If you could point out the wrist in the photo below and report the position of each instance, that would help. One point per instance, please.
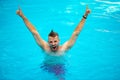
(22, 16)
(84, 16)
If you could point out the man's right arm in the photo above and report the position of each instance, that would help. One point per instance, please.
(43, 44)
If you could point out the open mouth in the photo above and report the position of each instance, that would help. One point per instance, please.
(54, 47)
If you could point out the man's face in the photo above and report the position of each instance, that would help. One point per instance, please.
(53, 43)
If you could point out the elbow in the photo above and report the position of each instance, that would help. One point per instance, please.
(76, 33)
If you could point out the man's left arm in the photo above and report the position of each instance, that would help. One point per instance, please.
(76, 32)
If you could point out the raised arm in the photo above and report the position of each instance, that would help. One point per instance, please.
(32, 29)
(76, 32)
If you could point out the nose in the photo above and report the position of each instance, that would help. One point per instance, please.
(53, 43)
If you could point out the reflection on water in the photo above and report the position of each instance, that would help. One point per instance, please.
(54, 65)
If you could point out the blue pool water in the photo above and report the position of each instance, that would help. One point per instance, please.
(95, 55)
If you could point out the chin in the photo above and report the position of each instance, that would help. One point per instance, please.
(54, 50)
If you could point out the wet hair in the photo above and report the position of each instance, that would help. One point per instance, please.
(53, 34)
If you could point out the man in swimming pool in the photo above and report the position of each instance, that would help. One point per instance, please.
(52, 46)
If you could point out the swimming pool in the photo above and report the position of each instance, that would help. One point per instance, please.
(95, 55)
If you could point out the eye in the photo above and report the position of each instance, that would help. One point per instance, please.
(50, 41)
(55, 41)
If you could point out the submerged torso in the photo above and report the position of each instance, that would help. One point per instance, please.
(54, 59)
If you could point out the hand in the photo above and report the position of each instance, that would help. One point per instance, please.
(19, 12)
(87, 10)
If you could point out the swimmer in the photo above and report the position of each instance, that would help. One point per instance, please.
(52, 45)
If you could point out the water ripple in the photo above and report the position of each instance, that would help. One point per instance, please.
(107, 2)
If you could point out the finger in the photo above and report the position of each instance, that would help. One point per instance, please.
(86, 6)
(19, 7)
